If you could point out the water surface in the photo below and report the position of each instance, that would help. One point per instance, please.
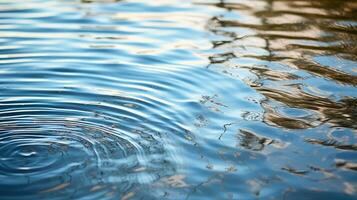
(169, 99)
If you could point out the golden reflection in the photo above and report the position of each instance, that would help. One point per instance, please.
(56, 188)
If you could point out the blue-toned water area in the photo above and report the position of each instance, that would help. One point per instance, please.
(178, 99)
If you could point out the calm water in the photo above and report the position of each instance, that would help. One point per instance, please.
(170, 99)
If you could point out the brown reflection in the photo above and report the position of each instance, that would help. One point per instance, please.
(292, 33)
(333, 143)
(252, 141)
(342, 113)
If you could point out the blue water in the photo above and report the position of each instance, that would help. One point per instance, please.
(169, 99)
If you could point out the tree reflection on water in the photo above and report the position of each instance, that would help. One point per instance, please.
(288, 38)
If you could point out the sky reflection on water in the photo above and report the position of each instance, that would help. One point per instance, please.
(204, 99)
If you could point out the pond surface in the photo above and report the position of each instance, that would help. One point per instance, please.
(170, 99)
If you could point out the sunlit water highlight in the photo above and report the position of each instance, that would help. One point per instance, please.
(169, 99)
